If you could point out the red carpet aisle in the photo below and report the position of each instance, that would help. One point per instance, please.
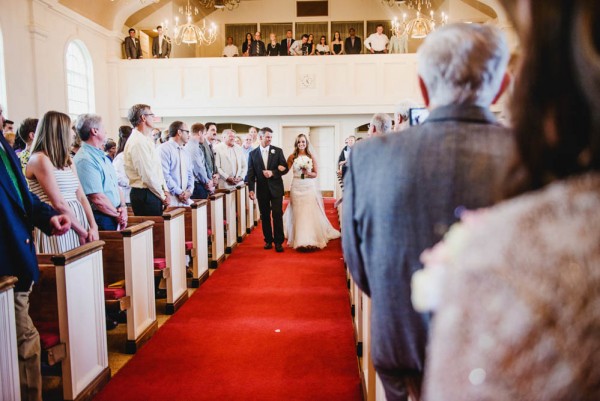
(265, 326)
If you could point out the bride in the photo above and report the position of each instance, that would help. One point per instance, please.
(304, 220)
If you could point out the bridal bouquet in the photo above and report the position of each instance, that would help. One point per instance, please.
(303, 163)
(427, 284)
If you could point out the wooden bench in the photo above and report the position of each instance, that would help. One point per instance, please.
(229, 211)
(10, 389)
(129, 258)
(196, 240)
(241, 197)
(168, 234)
(217, 234)
(67, 307)
(249, 212)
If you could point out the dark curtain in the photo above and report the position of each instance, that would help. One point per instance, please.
(238, 33)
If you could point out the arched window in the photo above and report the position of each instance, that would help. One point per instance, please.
(2, 76)
(80, 80)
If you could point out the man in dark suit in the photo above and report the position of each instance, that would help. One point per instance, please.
(403, 191)
(20, 211)
(258, 48)
(161, 45)
(286, 44)
(266, 165)
(352, 44)
(133, 50)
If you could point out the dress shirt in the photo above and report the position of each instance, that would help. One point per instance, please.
(298, 48)
(160, 41)
(196, 153)
(176, 167)
(96, 173)
(247, 151)
(322, 48)
(264, 152)
(230, 51)
(143, 165)
(377, 42)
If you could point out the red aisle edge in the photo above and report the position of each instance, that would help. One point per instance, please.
(223, 344)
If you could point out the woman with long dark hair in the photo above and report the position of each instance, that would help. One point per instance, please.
(247, 45)
(305, 223)
(119, 162)
(518, 314)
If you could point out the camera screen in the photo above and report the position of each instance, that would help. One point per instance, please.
(418, 115)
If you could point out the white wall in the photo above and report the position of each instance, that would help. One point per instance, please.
(36, 34)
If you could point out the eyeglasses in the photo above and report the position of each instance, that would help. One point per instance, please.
(184, 130)
(148, 114)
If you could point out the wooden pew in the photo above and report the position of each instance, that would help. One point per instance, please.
(129, 256)
(372, 386)
(217, 235)
(10, 389)
(169, 246)
(196, 239)
(241, 197)
(229, 212)
(70, 292)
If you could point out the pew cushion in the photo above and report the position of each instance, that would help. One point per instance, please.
(209, 231)
(49, 334)
(160, 263)
(189, 245)
(114, 293)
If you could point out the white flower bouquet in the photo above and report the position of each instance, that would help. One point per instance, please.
(303, 163)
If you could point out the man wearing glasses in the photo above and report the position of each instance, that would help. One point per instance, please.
(149, 192)
(177, 166)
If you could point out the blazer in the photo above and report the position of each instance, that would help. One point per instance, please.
(283, 50)
(225, 166)
(209, 158)
(133, 49)
(17, 220)
(266, 187)
(401, 194)
(166, 47)
(356, 49)
(342, 158)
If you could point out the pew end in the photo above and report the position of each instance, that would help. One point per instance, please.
(217, 230)
(230, 223)
(10, 389)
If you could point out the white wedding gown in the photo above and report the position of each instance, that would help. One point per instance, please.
(305, 222)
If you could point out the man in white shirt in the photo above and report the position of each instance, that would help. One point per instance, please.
(377, 42)
(230, 50)
(230, 162)
(161, 45)
(142, 165)
(177, 165)
(299, 47)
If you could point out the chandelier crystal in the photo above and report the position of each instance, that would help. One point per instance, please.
(420, 26)
(190, 34)
(220, 4)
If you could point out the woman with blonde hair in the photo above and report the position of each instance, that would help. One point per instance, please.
(305, 223)
(52, 178)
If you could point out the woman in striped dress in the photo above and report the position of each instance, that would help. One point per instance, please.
(52, 179)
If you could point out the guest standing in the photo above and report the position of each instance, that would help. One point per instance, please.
(258, 48)
(133, 50)
(273, 48)
(377, 42)
(352, 44)
(27, 133)
(337, 45)
(119, 163)
(176, 165)
(286, 43)
(247, 45)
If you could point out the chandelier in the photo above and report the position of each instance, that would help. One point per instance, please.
(188, 33)
(220, 4)
(145, 1)
(420, 26)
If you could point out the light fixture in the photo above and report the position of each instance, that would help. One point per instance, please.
(190, 34)
(220, 4)
(144, 1)
(420, 26)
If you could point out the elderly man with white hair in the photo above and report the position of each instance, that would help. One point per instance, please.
(402, 192)
(230, 162)
(402, 115)
(380, 124)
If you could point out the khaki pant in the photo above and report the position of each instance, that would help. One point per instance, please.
(28, 342)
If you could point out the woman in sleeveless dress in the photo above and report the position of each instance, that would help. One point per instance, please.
(305, 223)
(52, 179)
(337, 44)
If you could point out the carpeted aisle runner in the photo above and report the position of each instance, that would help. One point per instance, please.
(265, 326)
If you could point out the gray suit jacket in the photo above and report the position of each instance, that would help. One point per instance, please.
(401, 193)
(166, 47)
(133, 49)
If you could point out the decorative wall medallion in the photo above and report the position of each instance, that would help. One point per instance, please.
(307, 81)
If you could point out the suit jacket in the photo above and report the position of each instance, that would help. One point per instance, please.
(342, 158)
(17, 220)
(166, 47)
(401, 194)
(258, 48)
(225, 166)
(266, 187)
(209, 158)
(283, 50)
(133, 48)
(356, 49)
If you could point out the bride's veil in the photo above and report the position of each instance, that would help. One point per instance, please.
(311, 149)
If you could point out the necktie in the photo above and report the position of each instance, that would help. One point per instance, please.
(288, 45)
(11, 173)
